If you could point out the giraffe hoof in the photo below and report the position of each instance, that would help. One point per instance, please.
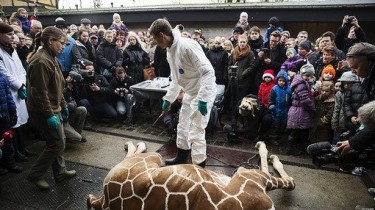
(126, 146)
(258, 144)
(141, 147)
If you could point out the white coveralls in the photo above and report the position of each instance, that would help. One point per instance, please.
(193, 72)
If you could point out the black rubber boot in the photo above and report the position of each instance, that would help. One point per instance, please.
(181, 158)
(8, 161)
(291, 148)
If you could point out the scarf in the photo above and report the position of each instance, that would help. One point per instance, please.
(239, 55)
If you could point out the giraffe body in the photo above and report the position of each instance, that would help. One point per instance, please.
(138, 182)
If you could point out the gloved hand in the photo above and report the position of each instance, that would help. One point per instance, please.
(202, 107)
(22, 94)
(53, 122)
(65, 114)
(165, 105)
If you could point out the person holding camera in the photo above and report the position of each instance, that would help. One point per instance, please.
(361, 59)
(125, 101)
(95, 93)
(73, 126)
(349, 33)
(192, 72)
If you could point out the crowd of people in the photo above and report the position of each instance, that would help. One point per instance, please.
(59, 77)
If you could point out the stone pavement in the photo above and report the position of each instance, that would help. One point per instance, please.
(315, 189)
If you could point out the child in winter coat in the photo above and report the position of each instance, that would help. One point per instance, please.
(338, 119)
(324, 104)
(301, 113)
(8, 118)
(291, 65)
(266, 86)
(328, 74)
(279, 101)
(118, 24)
(22, 16)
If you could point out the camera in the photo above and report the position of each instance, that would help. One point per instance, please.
(122, 92)
(233, 71)
(350, 20)
(323, 153)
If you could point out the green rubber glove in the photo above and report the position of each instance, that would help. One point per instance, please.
(165, 105)
(53, 122)
(202, 107)
(22, 94)
(65, 114)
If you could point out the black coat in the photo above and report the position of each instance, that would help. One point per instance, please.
(353, 99)
(101, 96)
(162, 68)
(343, 42)
(135, 60)
(108, 56)
(219, 60)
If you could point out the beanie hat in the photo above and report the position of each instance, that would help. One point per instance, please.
(5, 28)
(60, 23)
(293, 51)
(329, 69)
(273, 21)
(286, 32)
(307, 70)
(116, 15)
(269, 73)
(305, 44)
(348, 76)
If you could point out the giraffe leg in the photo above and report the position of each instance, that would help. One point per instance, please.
(278, 166)
(94, 202)
(141, 147)
(263, 152)
(129, 146)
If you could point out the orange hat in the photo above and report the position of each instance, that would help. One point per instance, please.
(329, 69)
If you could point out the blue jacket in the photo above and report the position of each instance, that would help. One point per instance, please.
(66, 57)
(6, 99)
(279, 100)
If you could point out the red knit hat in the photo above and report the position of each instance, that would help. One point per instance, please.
(269, 73)
(329, 69)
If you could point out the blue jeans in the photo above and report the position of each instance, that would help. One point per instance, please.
(105, 109)
(124, 105)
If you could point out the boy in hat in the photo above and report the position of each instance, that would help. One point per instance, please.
(279, 101)
(273, 26)
(338, 120)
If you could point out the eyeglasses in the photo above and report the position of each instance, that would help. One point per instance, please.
(62, 42)
(93, 37)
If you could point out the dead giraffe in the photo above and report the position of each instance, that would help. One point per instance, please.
(138, 182)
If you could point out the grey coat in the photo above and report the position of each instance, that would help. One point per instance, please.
(338, 119)
(81, 52)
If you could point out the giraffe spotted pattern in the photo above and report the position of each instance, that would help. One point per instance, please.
(138, 182)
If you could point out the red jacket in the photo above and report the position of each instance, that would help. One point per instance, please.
(264, 92)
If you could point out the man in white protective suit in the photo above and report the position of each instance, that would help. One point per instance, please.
(192, 72)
